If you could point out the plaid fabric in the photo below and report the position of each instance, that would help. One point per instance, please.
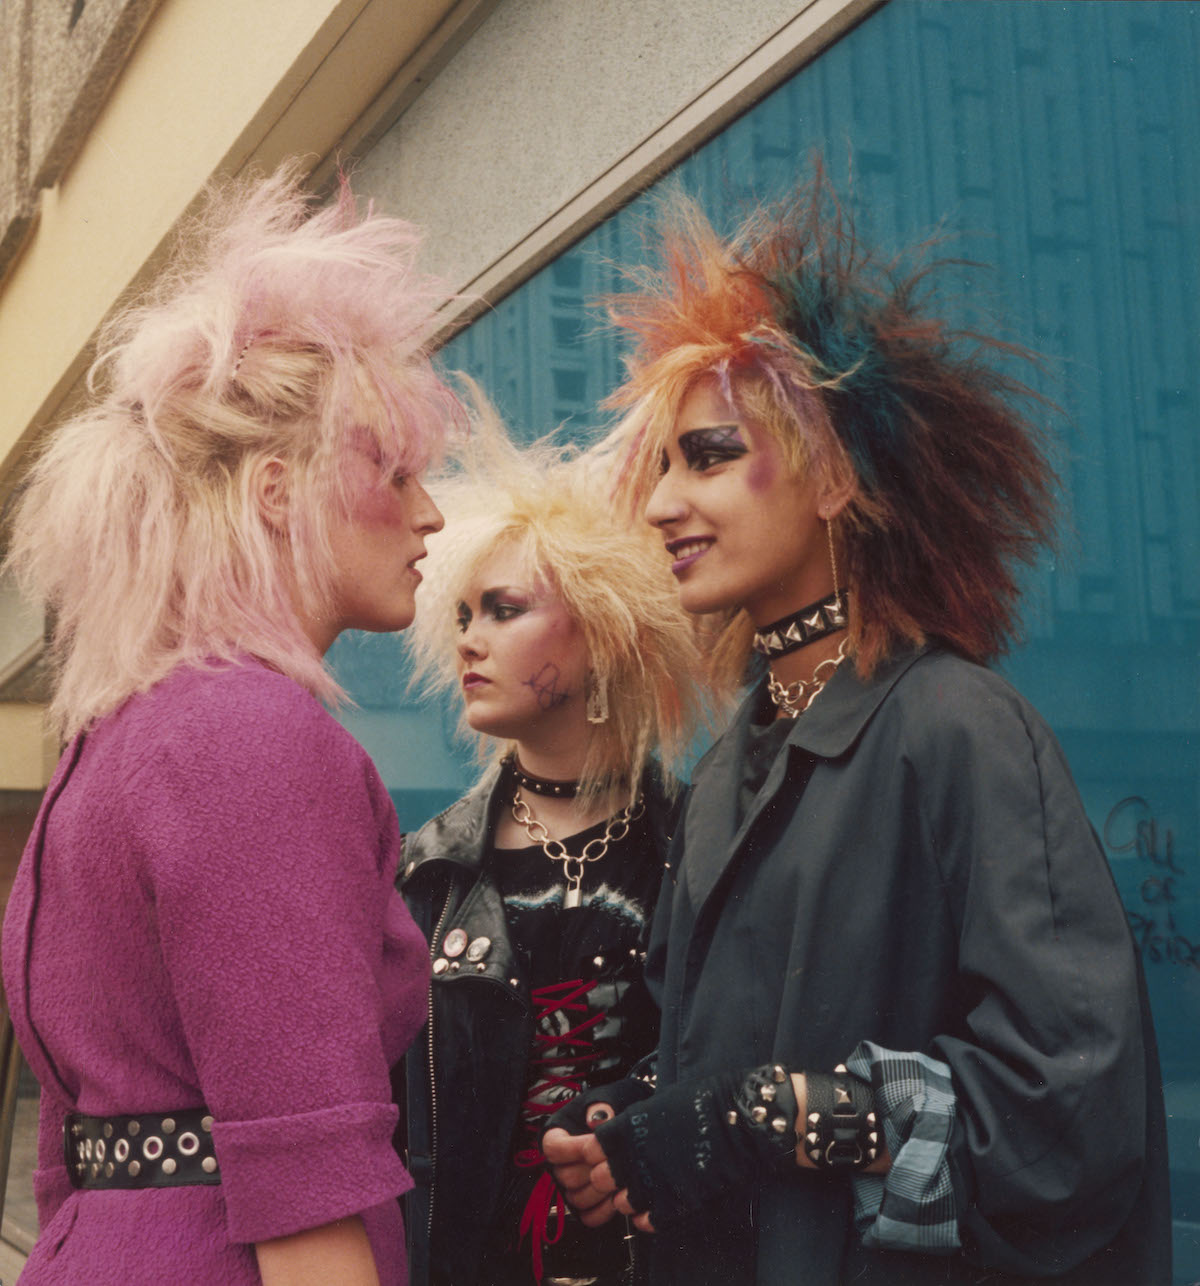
(912, 1206)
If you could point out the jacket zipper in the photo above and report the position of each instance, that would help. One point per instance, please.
(433, 1116)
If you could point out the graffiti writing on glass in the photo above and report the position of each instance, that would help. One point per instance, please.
(1131, 827)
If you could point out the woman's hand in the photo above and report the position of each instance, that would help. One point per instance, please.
(335, 1252)
(581, 1170)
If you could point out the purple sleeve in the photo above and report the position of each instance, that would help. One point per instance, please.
(268, 840)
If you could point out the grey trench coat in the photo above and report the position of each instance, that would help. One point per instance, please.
(918, 870)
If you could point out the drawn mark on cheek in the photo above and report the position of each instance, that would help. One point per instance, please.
(545, 687)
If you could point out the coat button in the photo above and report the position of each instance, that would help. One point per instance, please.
(441, 964)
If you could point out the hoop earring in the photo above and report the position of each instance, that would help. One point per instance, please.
(837, 593)
(597, 698)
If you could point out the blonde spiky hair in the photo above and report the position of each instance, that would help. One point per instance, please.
(551, 507)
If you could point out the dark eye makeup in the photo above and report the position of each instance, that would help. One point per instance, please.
(499, 604)
(702, 448)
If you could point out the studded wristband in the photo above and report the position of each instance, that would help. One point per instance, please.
(840, 1130)
(765, 1104)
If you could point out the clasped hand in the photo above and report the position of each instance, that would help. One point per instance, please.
(581, 1169)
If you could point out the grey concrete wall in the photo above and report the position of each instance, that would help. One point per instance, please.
(78, 51)
(16, 196)
(544, 98)
(58, 60)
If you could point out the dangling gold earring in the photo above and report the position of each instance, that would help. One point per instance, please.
(597, 698)
(839, 606)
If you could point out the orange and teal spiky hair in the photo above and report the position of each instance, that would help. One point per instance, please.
(835, 353)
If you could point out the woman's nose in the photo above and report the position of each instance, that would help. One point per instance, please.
(666, 504)
(470, 644)
(427, 517)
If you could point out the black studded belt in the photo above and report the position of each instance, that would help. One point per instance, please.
(162, 1150)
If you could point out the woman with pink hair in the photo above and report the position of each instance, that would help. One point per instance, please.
(207, 965)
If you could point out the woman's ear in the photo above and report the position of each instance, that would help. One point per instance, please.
(834, 496)
(268, 483)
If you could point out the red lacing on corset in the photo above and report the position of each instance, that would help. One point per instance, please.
(565, 1056)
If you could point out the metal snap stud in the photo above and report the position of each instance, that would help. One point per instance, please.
(168, 1125)
(134, 1129)
(168, 1165)
(108, 1129)
(209, 1165)
(206, 1124)
(135, 1168)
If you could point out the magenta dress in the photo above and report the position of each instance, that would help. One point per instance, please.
(205, 915)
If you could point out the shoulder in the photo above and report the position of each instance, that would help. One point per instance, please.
(966, 729)
(228, 724)
(459, 832)
(942, 693)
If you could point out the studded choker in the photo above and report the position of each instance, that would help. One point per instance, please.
(816, 621)
(541, 785)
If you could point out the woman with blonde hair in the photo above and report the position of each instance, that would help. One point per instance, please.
(939, 1065)
(207, 965)
(561, 631)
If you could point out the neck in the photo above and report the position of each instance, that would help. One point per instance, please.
(559, 759)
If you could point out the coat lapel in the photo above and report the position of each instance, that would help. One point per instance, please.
(827, 730)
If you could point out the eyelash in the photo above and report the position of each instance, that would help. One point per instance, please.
(501, 612)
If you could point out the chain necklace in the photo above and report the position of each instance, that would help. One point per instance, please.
(794, 698)
(616, 829)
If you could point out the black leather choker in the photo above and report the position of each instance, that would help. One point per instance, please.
(816, 621)
(541, 785)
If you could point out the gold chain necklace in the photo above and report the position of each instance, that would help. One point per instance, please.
(593, 850)
(794, 698)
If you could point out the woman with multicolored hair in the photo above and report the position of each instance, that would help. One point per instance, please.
(561, 630)
(904, 1033)
(208, 967)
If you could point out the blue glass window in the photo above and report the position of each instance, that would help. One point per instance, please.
(1056, 143)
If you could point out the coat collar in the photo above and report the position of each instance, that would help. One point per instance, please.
(827, 730)
(461, 833)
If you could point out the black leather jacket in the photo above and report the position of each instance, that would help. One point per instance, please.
(457, 1129)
